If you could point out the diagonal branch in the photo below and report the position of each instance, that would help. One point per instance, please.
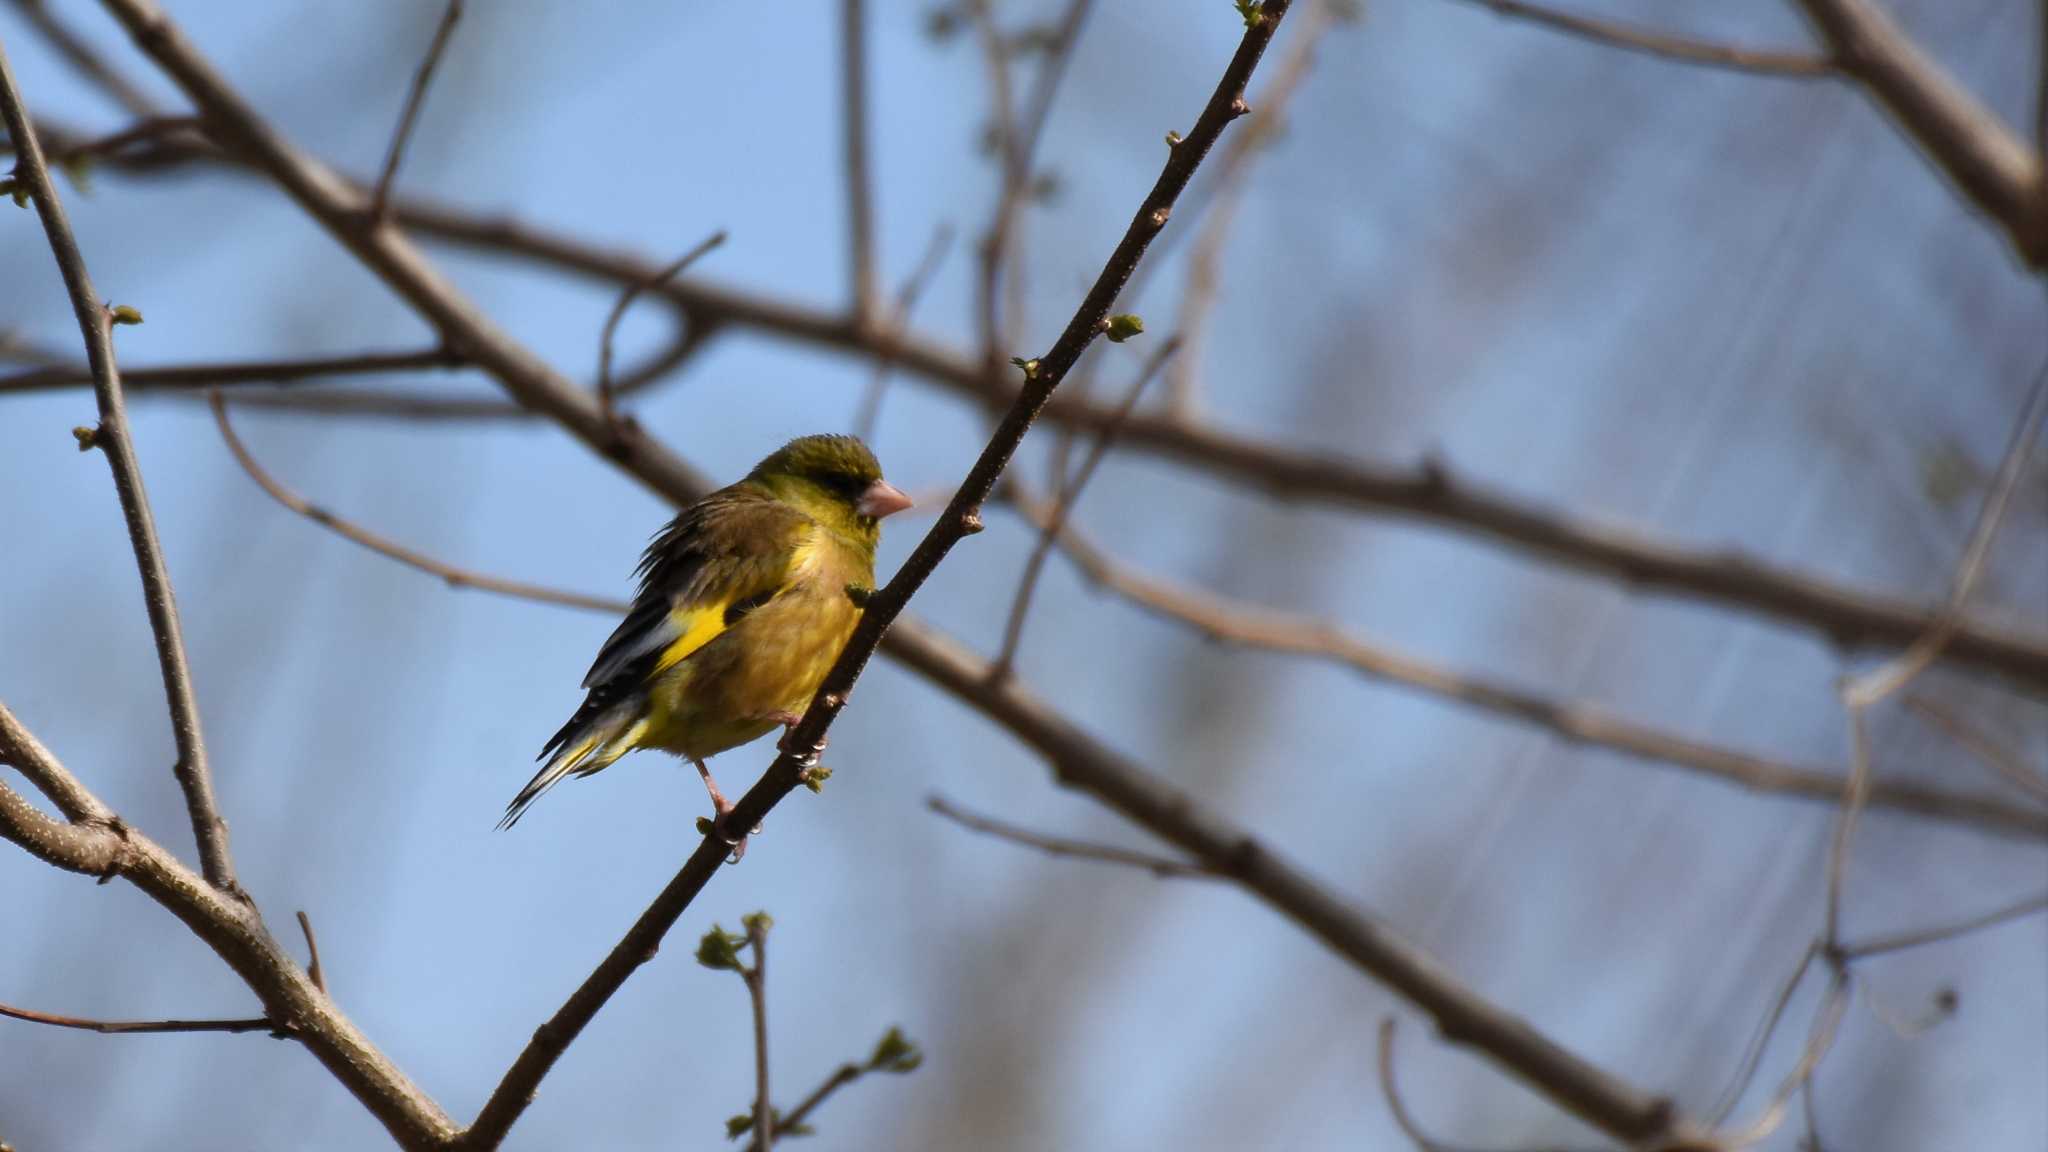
(1063, 847)
(81, 56)
(454, 576)
(95, 323)
(402, 135)
(1990, 166)
(102, 846)
(1682, 49)
(1233, 621)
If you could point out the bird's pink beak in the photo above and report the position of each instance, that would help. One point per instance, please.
(881, 499)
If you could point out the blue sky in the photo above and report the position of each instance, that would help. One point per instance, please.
(1725, 310)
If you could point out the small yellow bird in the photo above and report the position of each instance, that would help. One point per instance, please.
(745, 601)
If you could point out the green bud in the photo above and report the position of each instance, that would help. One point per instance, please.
(1029, 367)
(125, 314)
(720, 949)
(1251, 11)
(738, 1126)
(88, 437)
(1173, 139)
(1122, 327)
(758, 923)
(895, 1052)
(815, 778)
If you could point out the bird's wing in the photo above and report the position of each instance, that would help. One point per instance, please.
(722, 558)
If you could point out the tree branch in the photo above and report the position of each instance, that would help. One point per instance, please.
(1069, 495)
(455, 577)
(133, 1027)
(1237, 622)
(870, 411)
(1981, 746)
(853, 113)
(103, 846)
(84, 59)
(190, 377)
(111, 437)
(1427, 492)
(1880, 945)
(1989, 165)
(1061, 847)
(667, 272)
(401, 135)
(1684, 50)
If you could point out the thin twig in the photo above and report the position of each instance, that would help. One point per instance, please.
(870, 412)
(95, 323)
(1682, 49)
(1233, 621)
(401, 135)
(1070, 494)
(82, 57)
(1983, 747)
(313, 970)
(1233, 169)
(134, 1027)
(188, 377)
(454, 576)
(605, 392)
(148, 130)
(853, 112)
(1820, 1038)
(756, 977)
(793, 1120)
(1879, 945)
(1164, 867)
(1760, 1040)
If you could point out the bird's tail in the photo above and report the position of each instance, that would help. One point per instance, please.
(599, 733)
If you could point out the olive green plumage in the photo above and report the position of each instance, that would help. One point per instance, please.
(745, 601)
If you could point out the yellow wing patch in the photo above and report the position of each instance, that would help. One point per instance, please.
(696, 626)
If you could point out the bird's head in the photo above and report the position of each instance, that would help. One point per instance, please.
(835, 480)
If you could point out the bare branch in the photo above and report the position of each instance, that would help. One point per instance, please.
(313, 970)
(853, 112)
(84, 59)
(756, 977)
(1989, 165)
(1820, 1038)
(1760, 1040)
(1164, 867)
(1069, 495)
(870, 413)
(191, 377)
(149, 130)
(20, 750)
(132, 1027)
(1679, 48)
(1878, 946)
(1428, 491)
(111, 437)
(663, 275)
(1233, 621)
(841, 1076)
(2011, 767)
(454, 576)
(1233, 169)
(1398, 1107)
(103, 846)
(400, 136)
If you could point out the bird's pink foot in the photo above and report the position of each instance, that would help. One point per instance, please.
(721, 808)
